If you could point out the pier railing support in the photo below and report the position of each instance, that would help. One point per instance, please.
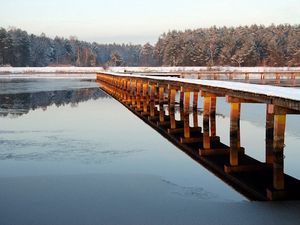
(181, 98)
(212, 116)
(235, 133)
(172, 97)
(206, 138)
(161, 90)
(279, 131)
(209, 118)
(269, 133)
(145, 96)
(186, 115)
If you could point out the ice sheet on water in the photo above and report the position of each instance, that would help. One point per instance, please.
(15, 86)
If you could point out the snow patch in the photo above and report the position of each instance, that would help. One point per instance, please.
(274, 91)
(70, 70)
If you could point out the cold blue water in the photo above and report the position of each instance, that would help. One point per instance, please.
(71, 154)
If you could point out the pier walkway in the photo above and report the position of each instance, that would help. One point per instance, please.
(156, 100)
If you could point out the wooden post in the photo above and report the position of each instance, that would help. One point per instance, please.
(152, 99)
(195, 109)
(128, 86)
(139, 87)
(181, 98)
(124, 84)
(195, 118)
(279, 130)
(120, 87)
(133, 93)
(186, 114)
(277, 78)
(172, 118)
(293, 79)
(262, 78)
(145, 89)
(172, 97)
(269, 133)
(247, 77)
(206, 138)
(123, 90)
(195, 100)
(234, 133)
(161, 91)
(212, 115)
(161, 113)
(126, 90)
(152, 92)
(138, 93)
(145, 96)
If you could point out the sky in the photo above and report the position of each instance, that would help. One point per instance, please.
(139, 21)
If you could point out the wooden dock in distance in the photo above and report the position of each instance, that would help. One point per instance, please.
(288, 78)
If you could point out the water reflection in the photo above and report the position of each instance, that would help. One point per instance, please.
(82, 165)
(21, 103)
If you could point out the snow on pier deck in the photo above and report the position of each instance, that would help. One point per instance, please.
(280, 96)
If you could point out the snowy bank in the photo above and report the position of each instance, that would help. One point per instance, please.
(49, 70)
(92, 70)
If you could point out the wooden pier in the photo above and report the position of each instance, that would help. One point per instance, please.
(279, 78)
(148, 97)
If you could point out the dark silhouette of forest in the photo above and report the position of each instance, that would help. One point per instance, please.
(216, 46)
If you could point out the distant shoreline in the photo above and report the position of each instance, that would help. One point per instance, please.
(94, 70)
(49, 70)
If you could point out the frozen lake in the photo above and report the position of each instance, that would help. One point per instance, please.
(71, 154)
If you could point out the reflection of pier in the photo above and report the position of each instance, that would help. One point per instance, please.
(22, 103)
(147, 98)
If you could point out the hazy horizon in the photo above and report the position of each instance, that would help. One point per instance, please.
(138, 22)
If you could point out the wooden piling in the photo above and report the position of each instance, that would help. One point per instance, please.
(279, 131)
(235, 133)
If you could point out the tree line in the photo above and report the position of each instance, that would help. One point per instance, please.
(216, 46)
(241, 46)
(18, 48)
